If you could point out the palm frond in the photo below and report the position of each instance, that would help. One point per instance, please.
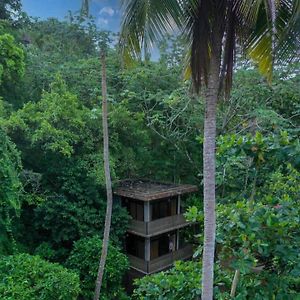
(288, 31)
(197, 28)
(205, 23)
(259, 45)
(275, 33)
(263, 28)
(229, 49)
(145, 22)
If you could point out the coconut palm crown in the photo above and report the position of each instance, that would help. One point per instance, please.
(264, 29)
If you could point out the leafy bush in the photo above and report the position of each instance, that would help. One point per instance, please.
(245, 162)
(84, 259)
(11, 60)
(262, 241)
(10, 189)
(261, 238)
(181, 282)
(26, 277)
(69, 201)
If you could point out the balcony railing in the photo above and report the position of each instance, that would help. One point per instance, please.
(157, 226)
(162, 262)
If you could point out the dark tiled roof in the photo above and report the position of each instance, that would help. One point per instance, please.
(147, 190)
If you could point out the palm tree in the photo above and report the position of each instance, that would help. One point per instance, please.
(104, 40)
(213, 29)
(85, 8)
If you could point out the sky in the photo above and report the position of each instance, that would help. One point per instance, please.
(106, 12)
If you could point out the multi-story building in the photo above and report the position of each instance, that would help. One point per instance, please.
(154, 240)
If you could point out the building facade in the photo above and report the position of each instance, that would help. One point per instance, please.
(154, 240)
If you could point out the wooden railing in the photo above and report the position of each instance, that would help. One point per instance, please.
(138, 227)
(157, 226)
(138, 263)
(162, 262)
(167, 260)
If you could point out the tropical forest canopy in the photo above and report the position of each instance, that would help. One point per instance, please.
(52, 185)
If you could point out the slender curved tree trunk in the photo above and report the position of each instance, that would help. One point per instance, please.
(107, 181)
(209, 146)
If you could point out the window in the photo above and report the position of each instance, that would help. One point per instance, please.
(135, 245)
(135, 208)
(163, 244)
(163, 208)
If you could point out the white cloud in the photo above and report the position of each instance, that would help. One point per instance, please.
(102, 21)
(107, 11)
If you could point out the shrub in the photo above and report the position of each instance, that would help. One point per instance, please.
(84, 259)
(181, 282)
(27, 277)
(10, 190)
(260, 238)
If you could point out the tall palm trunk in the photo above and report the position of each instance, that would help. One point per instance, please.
(107, 181)
(209, 167)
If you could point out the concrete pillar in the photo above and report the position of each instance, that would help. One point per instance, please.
(177, 239)
(147, 249)
(178, 204)
(147, 217)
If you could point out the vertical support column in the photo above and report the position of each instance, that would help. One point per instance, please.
(146, 215)
(147, 211)
(178, 204)
(147, 249)
(177, 239)
(147, 239)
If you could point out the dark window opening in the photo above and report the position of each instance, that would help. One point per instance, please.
(135, 245)
(163, 244)
(135, 208)
(163, 208)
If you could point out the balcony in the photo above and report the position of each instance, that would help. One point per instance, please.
(162, 262)
(148, 229)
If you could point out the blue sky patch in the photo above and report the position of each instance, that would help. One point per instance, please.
(106, 12)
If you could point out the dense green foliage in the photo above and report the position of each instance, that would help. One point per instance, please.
(244, 161)
(12, 59)
(84, 259)
(260, 238)
(181, 282)
(29, 277)
(52, 193)
(10, 190)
